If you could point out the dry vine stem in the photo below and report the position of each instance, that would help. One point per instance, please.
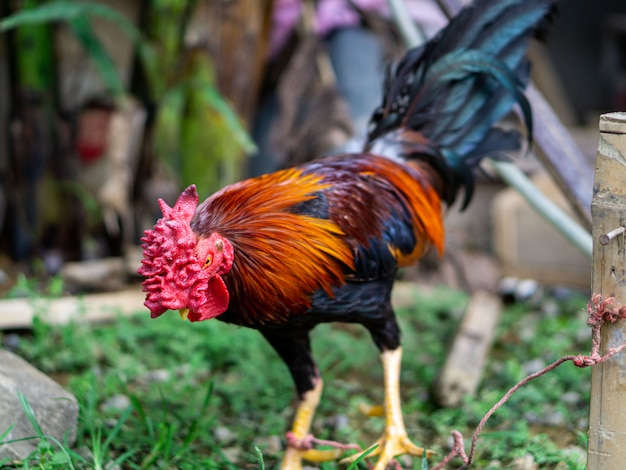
(600, 310)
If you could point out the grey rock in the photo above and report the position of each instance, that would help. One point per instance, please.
(115, 403)
(545, 417)
(157, 375)
(550, 308)
(507, 285)
(270, 444)
(494, 465)
(223, 435)
(406, 461)
(232, 454)
(527, 289)
(11, 341)
(532, 366)
(576, 453)
(571, 398)
(554, 418)
(342, 422)
(526, 462)
(54, 407)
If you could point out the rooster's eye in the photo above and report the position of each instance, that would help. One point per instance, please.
(208, 261)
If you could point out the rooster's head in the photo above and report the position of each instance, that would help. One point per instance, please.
(182, 269)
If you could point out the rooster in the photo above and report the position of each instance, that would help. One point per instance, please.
(323, 241)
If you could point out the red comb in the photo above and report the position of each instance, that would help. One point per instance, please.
(174, 275)
(184, 208)
(169, 264)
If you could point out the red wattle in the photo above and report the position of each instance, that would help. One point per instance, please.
(212, 302)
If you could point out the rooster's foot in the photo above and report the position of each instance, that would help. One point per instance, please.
(387, 448)
(394, 441)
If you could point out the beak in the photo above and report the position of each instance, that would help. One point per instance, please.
(184, 313)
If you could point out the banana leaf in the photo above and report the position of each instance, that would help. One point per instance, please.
(83, 31)
(197, 135)
(66, 11)
(77, 14)
(34, 61)
(215, 100)
(167, 128)
(165, 32)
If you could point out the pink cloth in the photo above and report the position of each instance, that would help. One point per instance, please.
(333, 14)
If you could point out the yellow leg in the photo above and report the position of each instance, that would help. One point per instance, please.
(300, 432)
(394, 440)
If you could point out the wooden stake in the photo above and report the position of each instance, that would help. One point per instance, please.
(607, 416)
(466, 361)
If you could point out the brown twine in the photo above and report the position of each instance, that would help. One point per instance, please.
(600, 310)
(307, 443)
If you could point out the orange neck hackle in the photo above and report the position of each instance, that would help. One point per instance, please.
(281, 257)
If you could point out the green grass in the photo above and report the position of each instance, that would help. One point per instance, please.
(214, 396)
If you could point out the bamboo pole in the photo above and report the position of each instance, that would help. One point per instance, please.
(607, 414)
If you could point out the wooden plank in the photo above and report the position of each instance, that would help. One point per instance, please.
(607, 415)
(19, 313)
(465, 364)
(557, 150)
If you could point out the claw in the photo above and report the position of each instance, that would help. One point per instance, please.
(388, 448)
(371, 411)
(293, 457)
